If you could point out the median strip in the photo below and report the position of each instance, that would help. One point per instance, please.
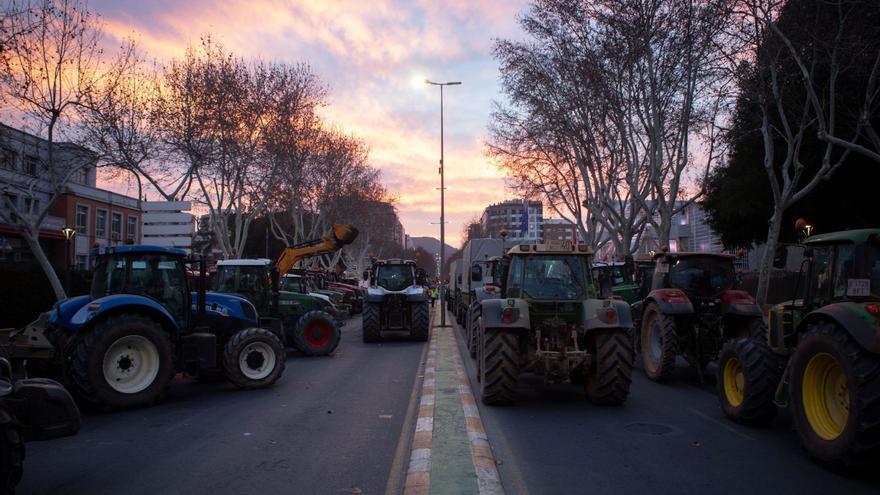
(450, 452)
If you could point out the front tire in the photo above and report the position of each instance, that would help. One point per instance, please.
(747, 377)
(499, 367)
(11, 453)
(316, 334)
(370, 323)
(124, 361)
(254, 358)
(835, 396)
(608, 379)
(658, 343)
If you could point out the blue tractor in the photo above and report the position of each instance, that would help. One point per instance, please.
(142, 323)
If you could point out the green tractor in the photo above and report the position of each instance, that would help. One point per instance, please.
(821, 355)
(307, 323)
(617, 278)
(546, 318)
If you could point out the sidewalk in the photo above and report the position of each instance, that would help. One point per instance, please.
(450, 452)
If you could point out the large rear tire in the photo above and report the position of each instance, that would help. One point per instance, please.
(754, 328)
(835, 399)
(658, 343)
(608, 379)
(124, 361)
(316, 334)
(473, 325)
(421, 321)
(370, 323)
(11, 453)
(499, 367)
(747, 378)
(254, 358)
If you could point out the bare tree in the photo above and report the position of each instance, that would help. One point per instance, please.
(53, 64)
(787, 112)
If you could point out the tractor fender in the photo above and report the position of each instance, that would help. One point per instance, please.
(605, 313)
(850, 319)
(671, 301)
(416, 294)
(739, 303)
(62, 311)
(493, 309)
(99, 309)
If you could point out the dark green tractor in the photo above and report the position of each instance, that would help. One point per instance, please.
(306, 322)
(617, 278)
(821, 356)
(547, 318)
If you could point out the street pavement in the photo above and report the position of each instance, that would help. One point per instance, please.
(667, 439)
(329, 425)
(347, 424)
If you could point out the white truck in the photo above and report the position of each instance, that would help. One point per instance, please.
(472, 272)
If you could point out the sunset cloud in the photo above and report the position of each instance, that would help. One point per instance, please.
(368, 54)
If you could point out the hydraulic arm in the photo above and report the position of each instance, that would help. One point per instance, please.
(340, 235)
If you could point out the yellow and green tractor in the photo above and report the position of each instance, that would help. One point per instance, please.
(821, 357)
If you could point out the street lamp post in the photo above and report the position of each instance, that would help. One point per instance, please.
(69, 233)
(443, 275)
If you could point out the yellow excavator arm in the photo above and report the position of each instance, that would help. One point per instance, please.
(340, 235)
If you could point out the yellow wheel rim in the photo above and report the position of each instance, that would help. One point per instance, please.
(734, 382)
(825, 396)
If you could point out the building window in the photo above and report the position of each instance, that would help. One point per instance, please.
(82, 219)
(31, 206)
(116, 227)
(81, 176)
(30, 165)
(7, 159)
(132, 228)
(101, 223)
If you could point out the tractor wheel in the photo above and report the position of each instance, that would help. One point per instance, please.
(499, 368)
(658, 343)
(747, 378)
(124, 361)
(754, 328)
(11, 453)
(254, 358)
(370, 323)
(607, 380)
(835, 395)
(421, 321)
(473, 328)
(316, 334)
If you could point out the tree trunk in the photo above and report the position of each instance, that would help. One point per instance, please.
(34, 243)
(766, 267)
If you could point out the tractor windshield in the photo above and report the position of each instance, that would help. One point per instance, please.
(554, 277)
(702, 276)
(157, 276)
(395, 277)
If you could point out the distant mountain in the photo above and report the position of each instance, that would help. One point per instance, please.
(432, 245)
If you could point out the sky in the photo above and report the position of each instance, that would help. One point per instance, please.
(371, 54)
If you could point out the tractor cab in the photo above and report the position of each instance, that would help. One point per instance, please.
(702, 276)
(840, 274)
(252, 279)
(159, 274)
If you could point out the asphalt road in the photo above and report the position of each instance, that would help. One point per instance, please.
(667, 439)
(330, 425)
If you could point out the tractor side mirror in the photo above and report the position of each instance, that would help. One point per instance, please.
(366, 275)
(476, 273)
(780, 257)
(421, 277)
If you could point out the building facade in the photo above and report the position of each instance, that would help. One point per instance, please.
(558, 229)
(98, 217)
(524, 220)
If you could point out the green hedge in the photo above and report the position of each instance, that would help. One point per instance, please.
(25, 292)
